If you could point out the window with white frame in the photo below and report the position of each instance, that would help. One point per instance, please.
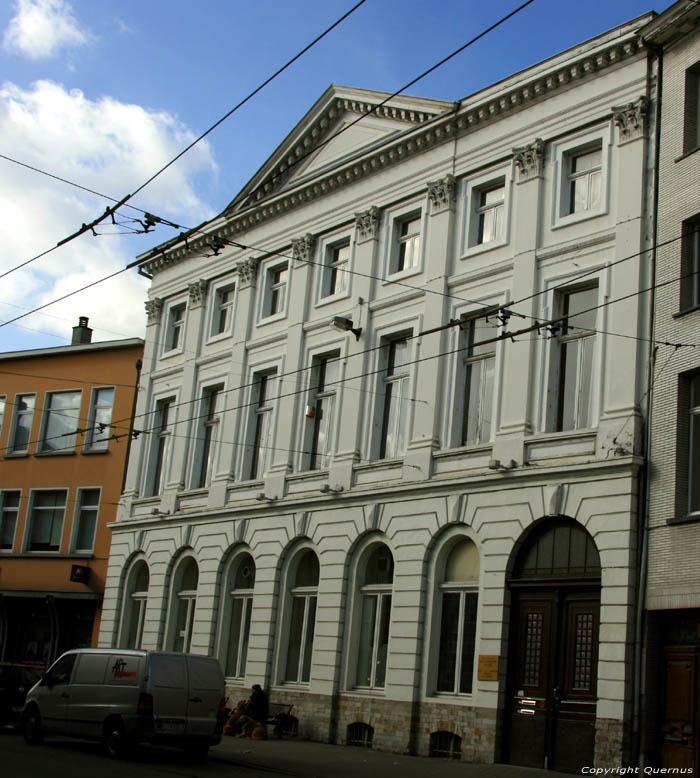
(489, 209)
(394, 398)
(183, 605)
(61, 420)
(240, 582)
(458, 584)
(175, 328)
(405, 254)
(46, 514)
(572, 360)
(222, 310)
(274, 301)
(9, 512)
(22, 423)
(134, 605)
(375, 590)
(584, 171)
(335, 270)
(85, 521)
(207, 436)
(260, 425)
(321, 410)
(160, 443)
(475, 403)
(100, 418)
(581, 174)
(304, 594)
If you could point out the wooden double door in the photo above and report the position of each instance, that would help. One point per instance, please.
(551, 694)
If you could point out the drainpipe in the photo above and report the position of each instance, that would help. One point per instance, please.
(139, 365)
(644, 490)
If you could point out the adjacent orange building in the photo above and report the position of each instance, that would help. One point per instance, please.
(65, 422)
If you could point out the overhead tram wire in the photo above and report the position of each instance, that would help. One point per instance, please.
(124, 201)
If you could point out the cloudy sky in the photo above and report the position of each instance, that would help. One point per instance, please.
(103, 94)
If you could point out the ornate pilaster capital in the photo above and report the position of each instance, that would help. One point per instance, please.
(303, 249)
(247, 270)
(631, 120)
(198, 292)
(367, 224)
(154, 309)
(529, 160)
(442, 194)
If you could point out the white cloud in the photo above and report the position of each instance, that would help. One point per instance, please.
(40, 28)
(107, 146)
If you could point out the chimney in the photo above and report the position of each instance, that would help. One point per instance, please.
(82, 333)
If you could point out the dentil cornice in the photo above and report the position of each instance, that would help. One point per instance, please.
(434, 132)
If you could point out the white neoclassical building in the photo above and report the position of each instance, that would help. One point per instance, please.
(388, 450)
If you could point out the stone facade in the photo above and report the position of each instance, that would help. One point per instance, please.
(255, 521)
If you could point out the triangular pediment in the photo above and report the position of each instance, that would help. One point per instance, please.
(330, 134)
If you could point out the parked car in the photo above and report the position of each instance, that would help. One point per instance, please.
(124, 697)
(15, 681)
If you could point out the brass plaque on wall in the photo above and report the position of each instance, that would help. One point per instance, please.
(488, 667)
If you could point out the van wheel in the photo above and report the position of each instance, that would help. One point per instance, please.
(114, 740)
(33, 730)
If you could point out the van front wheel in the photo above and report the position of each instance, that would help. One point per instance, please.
(33, 731)
(114, 739)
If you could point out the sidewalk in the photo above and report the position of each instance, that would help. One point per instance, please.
(304, 759)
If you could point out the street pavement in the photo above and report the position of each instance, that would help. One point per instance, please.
(318, 760)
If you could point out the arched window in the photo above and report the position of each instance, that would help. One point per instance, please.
(184, 601)
(134, 608)
(239, 582)
(304, 592)
(376, 579)
(458, 598)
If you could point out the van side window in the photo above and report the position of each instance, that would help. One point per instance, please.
(60, 672)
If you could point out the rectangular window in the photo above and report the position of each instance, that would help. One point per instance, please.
(395, 395)
(9, 511)
(207, 438)
(690, 263)
(373, 648)
(490, 210)
(3, 400)
(222, 313)
(693, 422)
(100, 418)
(175, 328)
(61, 420)
(335, 273)
(275, 294)
(457, 640)
(160, 437)
(85, 521)
(584, 174)
(22, 423)
(48, 509)
(407, 243)
(691, 124)
(320, 412)
(263, 397)
(479, 367)
(572, 362)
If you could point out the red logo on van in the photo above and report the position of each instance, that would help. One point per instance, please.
(119, 672)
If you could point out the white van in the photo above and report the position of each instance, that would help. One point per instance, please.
(123, 697)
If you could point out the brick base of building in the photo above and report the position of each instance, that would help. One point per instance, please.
(612, 746)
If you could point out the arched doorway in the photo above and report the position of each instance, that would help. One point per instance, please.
(553, 648)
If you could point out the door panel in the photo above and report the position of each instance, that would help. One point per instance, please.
(552, 679)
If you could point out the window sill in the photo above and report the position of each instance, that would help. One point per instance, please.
(332, 298)
(576, 218)
(686, 154)
(54, 453)
(685, 312)
(401, 274)
(482, 248)
(688, 518)
(94, 451)
(173, 353)
(212, 339)
(263, 320)
(16, 454)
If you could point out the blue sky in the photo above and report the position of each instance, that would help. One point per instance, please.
(104, 93)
